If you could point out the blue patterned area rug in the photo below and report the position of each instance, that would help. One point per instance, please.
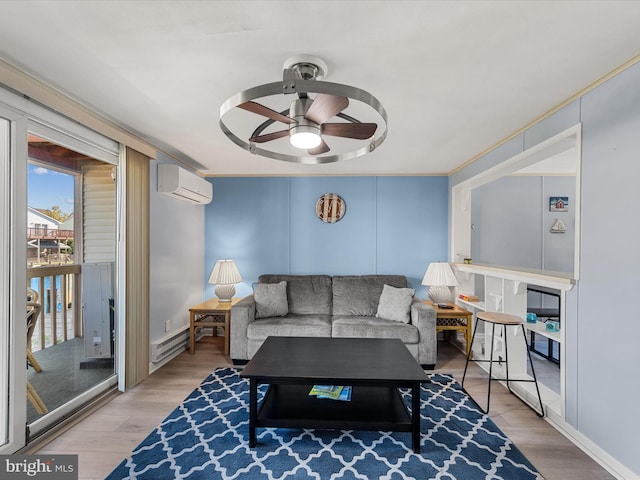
(207, 438)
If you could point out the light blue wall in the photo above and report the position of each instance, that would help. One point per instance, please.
(511, 223)
(608, 382)
(269, 225)
(558, 248)
(506, 215)
(602, 355)
(343, 248)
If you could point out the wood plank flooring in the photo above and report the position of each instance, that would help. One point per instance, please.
(109, 434)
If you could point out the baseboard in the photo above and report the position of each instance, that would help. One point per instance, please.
(606, 461)
(155, 366)
(595, 452)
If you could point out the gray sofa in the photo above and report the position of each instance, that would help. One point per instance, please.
(339, 306)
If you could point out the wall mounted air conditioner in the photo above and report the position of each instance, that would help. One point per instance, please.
(183, 185)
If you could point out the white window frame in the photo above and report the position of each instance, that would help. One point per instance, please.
(13, 146)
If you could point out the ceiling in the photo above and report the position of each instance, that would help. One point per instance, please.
(455, 77)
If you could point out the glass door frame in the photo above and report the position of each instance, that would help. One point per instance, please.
(13, 302)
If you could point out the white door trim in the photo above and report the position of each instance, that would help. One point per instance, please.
(13, 198)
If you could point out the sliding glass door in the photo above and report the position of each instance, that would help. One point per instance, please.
(71, 254)
(58, 269)
(71, 275)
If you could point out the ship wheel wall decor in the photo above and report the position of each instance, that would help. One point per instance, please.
(330, 208)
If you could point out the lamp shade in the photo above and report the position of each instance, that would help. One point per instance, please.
(439, 277)
(225, 275)
(225, 272)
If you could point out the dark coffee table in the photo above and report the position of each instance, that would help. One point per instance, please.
(375, 368)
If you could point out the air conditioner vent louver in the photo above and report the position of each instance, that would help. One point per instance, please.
(183, 185)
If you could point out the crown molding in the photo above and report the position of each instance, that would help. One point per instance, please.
(35, 90)
(588, 88)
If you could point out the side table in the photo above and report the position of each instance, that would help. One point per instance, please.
(204, 315)
(454, 319)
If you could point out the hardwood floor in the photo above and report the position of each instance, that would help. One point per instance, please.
(108, 435)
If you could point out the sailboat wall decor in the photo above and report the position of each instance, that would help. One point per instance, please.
(558, 227)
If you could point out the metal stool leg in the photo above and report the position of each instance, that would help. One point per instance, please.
(533, 371)
(493, 337)
(506, 356)
(469, 353)
(473, 336)
(490, 367)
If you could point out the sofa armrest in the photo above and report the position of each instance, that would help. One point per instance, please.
(424, 318)
(242, 314)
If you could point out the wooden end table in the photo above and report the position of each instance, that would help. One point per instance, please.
(203, 315)
(454, 319)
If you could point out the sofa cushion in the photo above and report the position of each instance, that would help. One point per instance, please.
(359, 295)
(372, 327)
(290, 326)
(395, 303)
(271, 299)
(306, 294)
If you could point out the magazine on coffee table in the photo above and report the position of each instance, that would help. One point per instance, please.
(333, 392)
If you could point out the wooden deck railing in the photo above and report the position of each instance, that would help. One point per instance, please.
(49, 234)
(65, 313)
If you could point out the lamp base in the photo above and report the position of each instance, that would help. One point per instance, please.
(439, 294)
(225, 292)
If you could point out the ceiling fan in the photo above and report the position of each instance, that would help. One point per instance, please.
(307, 122)
(309, 118)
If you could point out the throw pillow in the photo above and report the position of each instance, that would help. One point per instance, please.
(395, 303)
(271, 299)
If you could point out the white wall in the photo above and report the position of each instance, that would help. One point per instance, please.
(177, 258)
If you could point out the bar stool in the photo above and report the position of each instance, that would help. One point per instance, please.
(504, 319)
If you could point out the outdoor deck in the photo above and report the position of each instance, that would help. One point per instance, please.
(57, 342)
(66, 373)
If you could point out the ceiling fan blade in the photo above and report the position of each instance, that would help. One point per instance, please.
(265, 112)
(267, 137)
(320, 149)
(359, 131)
(326, 106)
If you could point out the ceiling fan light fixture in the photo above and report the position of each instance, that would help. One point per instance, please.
(309, 117)
(305, 137)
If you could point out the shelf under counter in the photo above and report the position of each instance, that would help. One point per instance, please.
(474, 305)
(539, 328)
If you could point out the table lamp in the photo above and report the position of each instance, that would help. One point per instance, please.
(439, 277)
(225, 275)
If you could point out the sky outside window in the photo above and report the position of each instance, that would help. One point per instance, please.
(47, 188)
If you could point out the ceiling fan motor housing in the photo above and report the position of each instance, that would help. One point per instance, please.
(304, 130)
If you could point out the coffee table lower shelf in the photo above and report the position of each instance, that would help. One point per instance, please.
(370, 408)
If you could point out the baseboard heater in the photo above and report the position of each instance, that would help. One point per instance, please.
(171, 343)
